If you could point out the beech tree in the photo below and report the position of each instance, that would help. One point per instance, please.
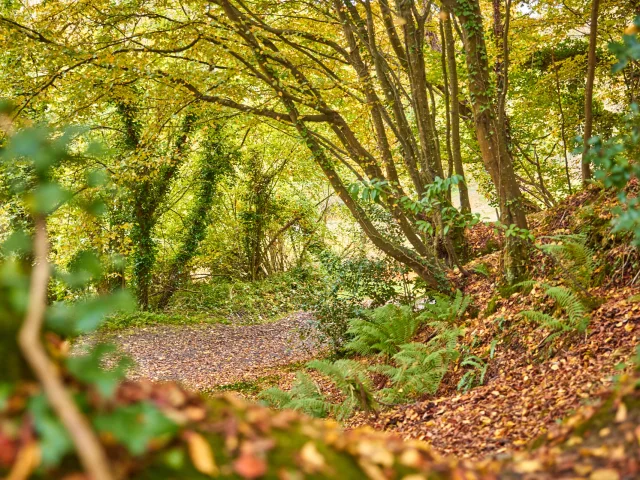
(491, 130)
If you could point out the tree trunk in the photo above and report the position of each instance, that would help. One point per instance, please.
(588, 91)
(491, 134)
(214, 164)
(465, 204)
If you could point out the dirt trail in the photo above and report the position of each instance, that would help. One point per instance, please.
(203, 357)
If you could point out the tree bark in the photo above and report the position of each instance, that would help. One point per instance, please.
(465, 204)
(491, 133)
(588, 91)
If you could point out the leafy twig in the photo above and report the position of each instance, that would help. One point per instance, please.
(87, 445)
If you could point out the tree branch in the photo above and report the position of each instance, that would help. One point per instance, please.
(90, 451)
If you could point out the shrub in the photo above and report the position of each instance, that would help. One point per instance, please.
(419, 368)
(383, 330)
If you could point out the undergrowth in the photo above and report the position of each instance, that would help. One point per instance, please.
(413, 369)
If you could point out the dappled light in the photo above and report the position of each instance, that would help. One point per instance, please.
(333, 239)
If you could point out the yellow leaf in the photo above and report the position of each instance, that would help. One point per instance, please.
(621, 414)
(528, 466)
(27, 461)
(201, 454)
(604, 474)
(631, 29)
(312, 458)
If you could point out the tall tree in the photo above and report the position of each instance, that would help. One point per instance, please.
(588, 91)
(491, 132)
(452, 71)
(147, 190)
(216, 162)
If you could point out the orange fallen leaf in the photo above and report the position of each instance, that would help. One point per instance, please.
(250, 466)
(26, 462)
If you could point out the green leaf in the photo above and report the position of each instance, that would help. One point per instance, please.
(5, 392)
(88, 368)
(18, 242)
(83, 268)
(85, 316)
(48, 197)
(136, 425)
(54, 439)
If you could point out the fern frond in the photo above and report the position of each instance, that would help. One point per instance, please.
(525, 285)
(275, 397)
(314, 407)
(572, 252)
(569, 302)
(445, 309)
(544, 320)
(382, 330)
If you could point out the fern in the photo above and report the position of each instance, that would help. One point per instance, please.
(445, 309)
(383, 330)
(419, 368)
(304, 396)
(569, 302)
(475, 376)
(351, 379)
(482, 269)
(577, 313)
(574, 256)
(275, 397)
(526, 285)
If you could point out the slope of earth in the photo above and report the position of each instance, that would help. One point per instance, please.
(523, 397)
(203, 357)
(531, 384)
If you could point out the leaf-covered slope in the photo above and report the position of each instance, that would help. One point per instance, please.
(226, 437)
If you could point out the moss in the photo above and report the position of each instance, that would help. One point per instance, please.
(244, 387)
(145, 319)
(492, 306)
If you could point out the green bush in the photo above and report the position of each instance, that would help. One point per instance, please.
(350, 283)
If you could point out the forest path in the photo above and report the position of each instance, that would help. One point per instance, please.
(205, 357)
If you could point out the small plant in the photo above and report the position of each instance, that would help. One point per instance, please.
(383, 330)
(419, 368)
(474, 377)
(304, 396)
(443, 308)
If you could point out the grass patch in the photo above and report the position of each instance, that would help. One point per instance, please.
(224, 302)
(248, 388)
(147, 319)
(261, 301)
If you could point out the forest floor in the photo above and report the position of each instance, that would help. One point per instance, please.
(210, 357)
(527, 391)
(530, 385)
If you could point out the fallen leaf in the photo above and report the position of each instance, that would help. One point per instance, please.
(26, 462)
(250, 466)
(604, 474)
(312, 459)
(201, 454)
